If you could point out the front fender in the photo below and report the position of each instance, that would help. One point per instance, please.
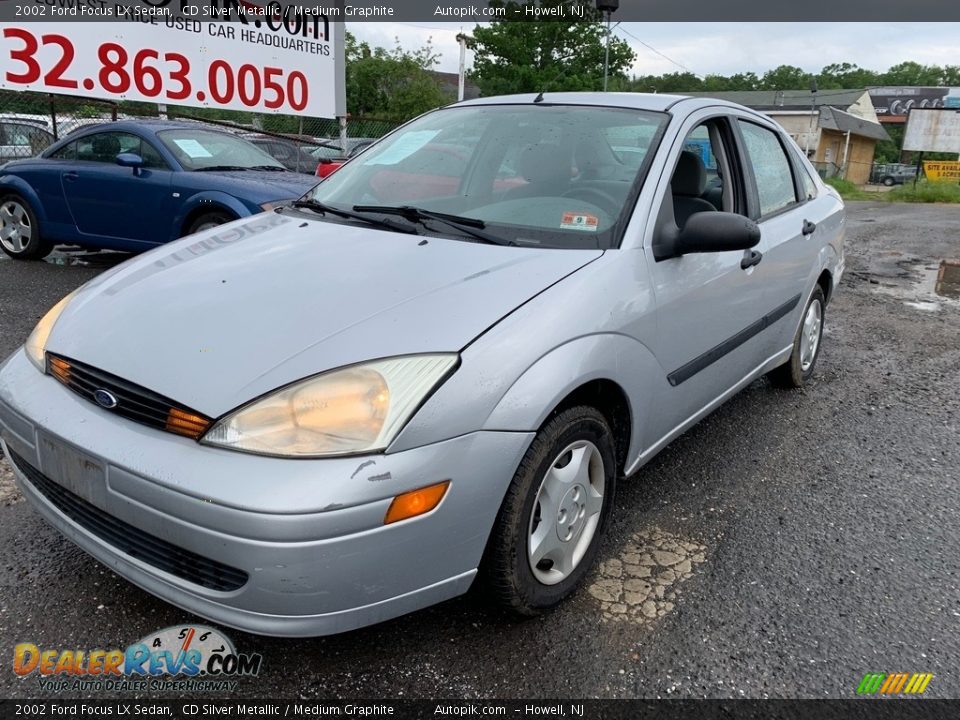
(20, 186)
(617, 358)
(215, 200)
(492, 391)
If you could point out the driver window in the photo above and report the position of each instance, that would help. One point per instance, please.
(698, 182)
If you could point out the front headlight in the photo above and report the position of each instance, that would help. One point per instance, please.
(357, 409)
(36, 344)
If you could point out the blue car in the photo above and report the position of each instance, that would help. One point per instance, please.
(134, 185)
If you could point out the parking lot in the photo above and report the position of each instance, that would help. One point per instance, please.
(788, 544)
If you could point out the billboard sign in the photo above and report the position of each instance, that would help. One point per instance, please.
(933, 131)
(893, 104)
(268, 65)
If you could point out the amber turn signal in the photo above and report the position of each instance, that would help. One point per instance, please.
(60, 369)
(185, 423)
(416, 502)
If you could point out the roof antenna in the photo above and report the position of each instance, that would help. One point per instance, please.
(539, 98)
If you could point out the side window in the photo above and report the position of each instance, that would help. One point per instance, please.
(67, 152)
(771, 168)
(104, 147)
(152, 158)
(27, 139)
(698, 181)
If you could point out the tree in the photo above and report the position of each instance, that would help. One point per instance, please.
(785, 77)
(391, 84)
(531, 54)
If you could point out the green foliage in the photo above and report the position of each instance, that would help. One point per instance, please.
(849, 191)
(391, 84)
(926, 192)
(836, 76)
(533, 55)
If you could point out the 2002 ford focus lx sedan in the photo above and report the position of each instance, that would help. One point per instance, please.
(435, 364)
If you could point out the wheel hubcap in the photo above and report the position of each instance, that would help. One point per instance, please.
(810, 335)
(15, 228)
(566, 512)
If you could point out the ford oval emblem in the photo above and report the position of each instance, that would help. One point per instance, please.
(105, 399)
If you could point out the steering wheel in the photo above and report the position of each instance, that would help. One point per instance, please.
(608, 203)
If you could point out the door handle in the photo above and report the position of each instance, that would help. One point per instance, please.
(751, 259)
(809, 227)
(70, 176)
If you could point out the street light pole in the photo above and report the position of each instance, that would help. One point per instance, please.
(461, 84)
(607, 7)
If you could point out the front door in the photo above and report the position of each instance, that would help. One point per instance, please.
(707, 303)
(110, 201)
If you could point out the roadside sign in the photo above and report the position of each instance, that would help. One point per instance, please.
(272, 64)
(933, 131)
(942, 170)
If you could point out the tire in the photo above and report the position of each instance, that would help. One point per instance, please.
(20, 231)
(889, 181)
(806, 346)
(208, 220)
(579, 510)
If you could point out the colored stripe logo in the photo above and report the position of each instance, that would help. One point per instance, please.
(894, 683)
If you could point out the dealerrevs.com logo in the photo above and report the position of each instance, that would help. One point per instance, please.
(179, 658)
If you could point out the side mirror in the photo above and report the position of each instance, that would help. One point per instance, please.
(709, 232)
(130, 160)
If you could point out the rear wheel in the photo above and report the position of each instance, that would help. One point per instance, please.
(889, 181)
(806, 346)
(20, 231)
(207, 221)
(548, 531)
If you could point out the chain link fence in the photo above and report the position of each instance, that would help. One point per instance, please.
(30, 122)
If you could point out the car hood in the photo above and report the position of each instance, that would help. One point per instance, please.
(219, 318)
(284, 184)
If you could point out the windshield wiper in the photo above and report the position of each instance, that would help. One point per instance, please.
(469, 225)
(268, 168)
(322, 208)
(220, 168)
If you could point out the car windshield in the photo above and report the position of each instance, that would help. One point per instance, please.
(198, 149)
(535, 175)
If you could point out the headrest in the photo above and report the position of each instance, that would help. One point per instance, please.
(544, 163)
(106, 145)
(690, 177)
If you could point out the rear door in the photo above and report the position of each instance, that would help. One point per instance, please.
(788, 218)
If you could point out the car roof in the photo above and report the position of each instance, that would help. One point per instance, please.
(656, 102)
(148, 125)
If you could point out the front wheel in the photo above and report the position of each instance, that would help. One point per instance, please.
(806, 346)
(20, 231)
(548, 531)
(207, 221)
(889, 181)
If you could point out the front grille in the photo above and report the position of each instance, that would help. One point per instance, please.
(132, 401)
(133, 542)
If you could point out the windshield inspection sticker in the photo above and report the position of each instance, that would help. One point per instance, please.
(579, 221)
(192, 148)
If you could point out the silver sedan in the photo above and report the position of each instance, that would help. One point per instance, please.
(434, 366)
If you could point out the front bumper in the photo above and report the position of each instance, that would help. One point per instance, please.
(308, 534)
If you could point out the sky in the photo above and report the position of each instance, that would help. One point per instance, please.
(726, 48)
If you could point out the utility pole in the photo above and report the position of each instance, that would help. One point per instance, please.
(813, 114)
(463, 40)
(608, 7)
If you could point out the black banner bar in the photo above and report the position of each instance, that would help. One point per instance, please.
(466, 12)
(858, 709)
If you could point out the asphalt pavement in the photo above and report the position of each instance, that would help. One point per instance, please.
(790, 543)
